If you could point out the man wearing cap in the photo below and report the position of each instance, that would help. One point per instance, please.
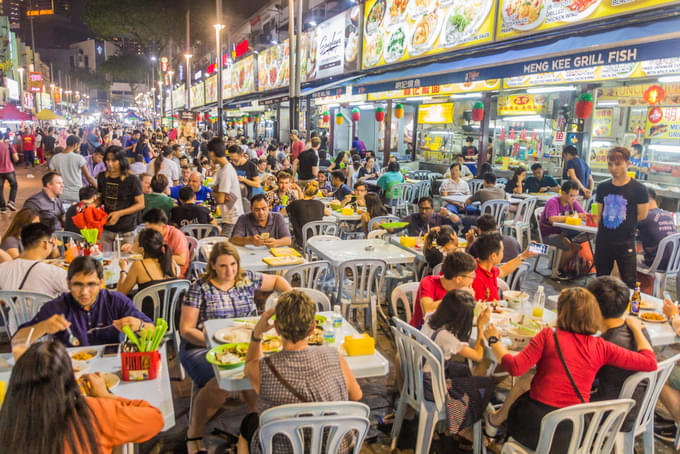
(296, 145)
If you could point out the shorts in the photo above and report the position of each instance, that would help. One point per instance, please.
(555, 239)
(194, 363)
(674, 378)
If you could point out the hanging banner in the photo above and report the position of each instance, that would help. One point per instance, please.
(523, 17)
(602, 122)
(57, 97)
(438, 90)
(435, 113)
(330, 51)
(243, 77)
(13, 92)
(28, 100)
(400, 30)
(197, 95)
(211, 89)
(521, 104)
(35, 82)
(178, 97)
(663, 123)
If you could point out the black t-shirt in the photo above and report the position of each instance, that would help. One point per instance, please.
(363, 172)
(618, 219)
(307, 159)
(48, 143)
(117, 195)
(189, 213)
(301, 212)
(272, 162)
(69, 226)
(248, 170)
(469, 150)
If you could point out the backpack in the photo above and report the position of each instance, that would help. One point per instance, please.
(583, 263)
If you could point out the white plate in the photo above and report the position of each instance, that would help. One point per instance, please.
(371, 59)
(112, 380)
(481, 11)
(234, 334)
(434, 33)
(583, 14)
(415, 10)
(523, 27)
(372, 27)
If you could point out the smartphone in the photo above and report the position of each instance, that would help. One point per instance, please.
(110, 350)
(538, 248)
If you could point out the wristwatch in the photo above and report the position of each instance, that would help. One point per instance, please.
(492, 340)
(253, 338)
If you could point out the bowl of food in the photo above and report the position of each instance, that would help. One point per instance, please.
(653, 317)
(515, 298)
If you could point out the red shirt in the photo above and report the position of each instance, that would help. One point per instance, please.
(485, 284)
(178, 243)
(584, 355)
(28, 142)
(296, 148)
(430, 287)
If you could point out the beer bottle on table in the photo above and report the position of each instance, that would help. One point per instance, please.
(635, 300)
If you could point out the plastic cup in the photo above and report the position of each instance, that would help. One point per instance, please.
(537, 312)
(284, 199)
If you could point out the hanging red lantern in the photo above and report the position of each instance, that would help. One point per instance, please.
(399, 111)
(584, 106)
(250, 119)
(379, 114)
(523, 134)
(654, 94)
(534, 136)
(501, 136)
(198, 118)
(356, 114)
(325, 116)
(477, 111)
(339, 118)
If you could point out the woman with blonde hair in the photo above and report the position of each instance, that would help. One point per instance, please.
(567, 359)
(224, 291)
(306, 210)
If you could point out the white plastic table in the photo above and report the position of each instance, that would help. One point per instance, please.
(375, 365)
(157, 392)
(337, 250)
(396, 240)
(251, 258)
(542, 197)
(659, 333)
(578, 228)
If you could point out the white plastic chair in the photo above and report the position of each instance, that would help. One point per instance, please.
(555, 253)
(315, 424)
(475, 185)
(323, 303)
(406, 295)
(644, 420)
(498, 209)
(193, 246)
(200, 231)
(376, 234)
(315, 228)
(401, 197)
(20, 306)
(670, 243)
(195, 269)
(521, 223)
(415, 350)
(514, 279)
(365, 278)
(597, 436)
(205, 246)
(311, 275)
(376, 221)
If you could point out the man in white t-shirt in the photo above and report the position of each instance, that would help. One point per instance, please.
(226, 191)
(28, 271)
(72, 167)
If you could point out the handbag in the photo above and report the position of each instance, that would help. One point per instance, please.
(566, 369)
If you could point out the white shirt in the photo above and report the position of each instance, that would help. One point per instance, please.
(464, 172)
(449, 343)
(226, 182)
(43, 278)
(168, 168)
(451, 187)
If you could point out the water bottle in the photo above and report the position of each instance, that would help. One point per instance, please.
(328, 334)
(337, 317)
(539, 303)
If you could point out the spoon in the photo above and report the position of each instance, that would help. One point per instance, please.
(73, 340)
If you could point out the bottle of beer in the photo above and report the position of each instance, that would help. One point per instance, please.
(635, 300)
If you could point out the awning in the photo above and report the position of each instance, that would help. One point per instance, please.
(629, 44)
(11, 113)
(47, 115)
(334, 88)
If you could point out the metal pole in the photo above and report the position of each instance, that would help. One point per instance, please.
(218, 31)
(291, 65)
(298, 63)
(35, 61)
(187, 77)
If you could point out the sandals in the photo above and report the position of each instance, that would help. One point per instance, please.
(189, 440)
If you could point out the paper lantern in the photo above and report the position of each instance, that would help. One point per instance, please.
(523, 134)
(399, 111)
(250, 119)
(477, 111)
(379, 114)
(339, 118)
(325, 116)
(654, 94)
(356, 114)
(584, 106)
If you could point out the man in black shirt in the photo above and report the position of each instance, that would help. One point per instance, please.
(425, 219)
(188, 212)
(307, 166)
(246, 170)
(622, 202)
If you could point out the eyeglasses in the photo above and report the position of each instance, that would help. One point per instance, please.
(425, 208)
(79, 286)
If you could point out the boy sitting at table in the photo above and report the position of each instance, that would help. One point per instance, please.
(488, 250)
(340, 189)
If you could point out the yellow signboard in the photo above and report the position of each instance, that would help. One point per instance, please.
(400, 30)
(523, 17)
(663, 123)
(211, 89)
(438, 90)
(435, 113)
(520, 104)
(602, 122)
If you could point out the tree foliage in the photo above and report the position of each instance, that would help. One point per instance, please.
(133, 69)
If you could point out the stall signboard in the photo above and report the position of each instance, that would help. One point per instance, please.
(197, 95)
(178, 97)
(633, 95)
(226, 83)
(12, 89)
(523, 17)
(35, 81)
(637, 120)
(663, 123)
(330, 47)
(440, 113)
(45, 101)
(520, 104)
(438, 90)
(603, 120)
(401, 30)
(560, 138)
(211, 90)
(273, 67)
(28, 100)
(57, 97)
(243, 77)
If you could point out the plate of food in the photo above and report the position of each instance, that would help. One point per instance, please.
(425, 31)
(397, 10)
(396, 43)
(463, 20)
(372, 51)
(271, 343)
(653, 317)
(317, 336)
(581, 9)
(375, 16)
(234, 334)
(418, 8)
(228, 356)
(84, 355)
(111, 380)
(524, 15)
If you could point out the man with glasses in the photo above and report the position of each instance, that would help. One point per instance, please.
(425, 219)
(95, 316)
(458, 273)
(622, 202)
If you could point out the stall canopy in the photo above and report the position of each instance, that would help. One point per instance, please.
(633, 43)
(11, 113)
(47, 115)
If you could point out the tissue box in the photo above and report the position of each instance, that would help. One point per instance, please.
(347, 211)
(573, 221)
(361, 345)
(408, 241)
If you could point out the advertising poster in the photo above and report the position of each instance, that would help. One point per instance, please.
(523, 17)
(520, 104)
(197, 95)
(663, 123)
(243, 77)
(400, 30)
(435, 113)
(211, 89)
(273, 67)
(602, 122)
(12, 89)
(178, 97)
(226, 83)
(330, 49)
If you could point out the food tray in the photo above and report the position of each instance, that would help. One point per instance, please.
(284, 251)
(282, 261)
(210, 356)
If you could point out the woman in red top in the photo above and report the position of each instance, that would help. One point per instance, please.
(578, 319)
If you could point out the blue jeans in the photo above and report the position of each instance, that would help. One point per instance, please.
(29, 158)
